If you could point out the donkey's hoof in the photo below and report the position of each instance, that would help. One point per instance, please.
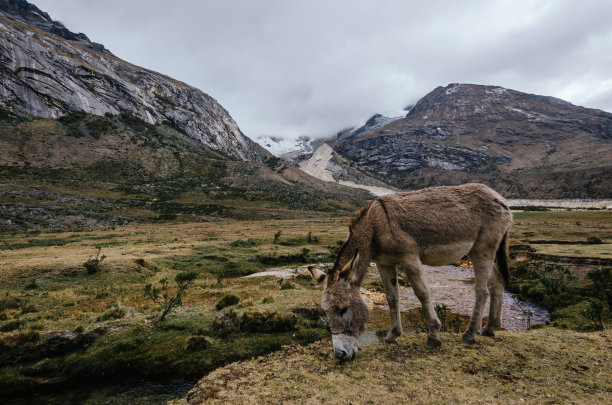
(391, 339)
(489, 333)
(433, 342)
(468, 340)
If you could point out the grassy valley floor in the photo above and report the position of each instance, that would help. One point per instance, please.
(60, 323)
(543, 366)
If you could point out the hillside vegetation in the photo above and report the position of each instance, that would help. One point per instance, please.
(85, 170)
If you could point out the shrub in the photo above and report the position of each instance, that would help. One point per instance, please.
(594, 240)
(277, 235)
(197, 343)
(160, 295)
(93, 264)
(602, 284)
(9, 302)
(287, 285)
(227, 301)
(594, 312)
(555, 278)
(32, 285)
(268, 299)
(312, 239)
(243, 243)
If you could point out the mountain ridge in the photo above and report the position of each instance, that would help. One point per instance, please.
(521, 144)
(48, 71)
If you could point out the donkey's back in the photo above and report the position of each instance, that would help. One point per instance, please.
(445, 223)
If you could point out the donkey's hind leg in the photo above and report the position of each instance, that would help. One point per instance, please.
(388, 274)
(496, 290)
(419, 286)
(483, 267)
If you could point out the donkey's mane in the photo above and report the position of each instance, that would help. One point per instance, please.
(351, 224)
(353, 221)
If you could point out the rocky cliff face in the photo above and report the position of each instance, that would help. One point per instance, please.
(48, 71)
(522, 144)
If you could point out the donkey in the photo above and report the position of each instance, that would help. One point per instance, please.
(433, 226)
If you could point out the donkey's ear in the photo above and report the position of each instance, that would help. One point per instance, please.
(317, 274)
(351, 266)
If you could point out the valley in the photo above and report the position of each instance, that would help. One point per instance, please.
(152, 252)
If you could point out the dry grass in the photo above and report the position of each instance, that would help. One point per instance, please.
(545, 366)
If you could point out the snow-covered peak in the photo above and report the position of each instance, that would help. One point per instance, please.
(279, 146)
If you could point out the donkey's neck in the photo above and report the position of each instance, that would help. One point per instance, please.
(361, 243)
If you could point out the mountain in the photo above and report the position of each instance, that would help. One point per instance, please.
(523, 145)
(373, 123)
(88, 140)
(48, 71)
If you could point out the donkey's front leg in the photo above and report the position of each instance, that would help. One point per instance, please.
(421, 290)
(388, 274)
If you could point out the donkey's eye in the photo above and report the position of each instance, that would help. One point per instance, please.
(343, 311)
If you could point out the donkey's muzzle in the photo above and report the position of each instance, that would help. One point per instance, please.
(345, 347)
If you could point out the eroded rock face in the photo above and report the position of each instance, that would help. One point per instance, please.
(523, 145)
(48, 71)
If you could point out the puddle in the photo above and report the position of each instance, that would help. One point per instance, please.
(454, 287)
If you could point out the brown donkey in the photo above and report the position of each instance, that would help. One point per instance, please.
(434, 226)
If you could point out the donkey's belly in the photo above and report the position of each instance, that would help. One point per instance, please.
(439, 255)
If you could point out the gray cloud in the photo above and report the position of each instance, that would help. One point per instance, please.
(291, 68)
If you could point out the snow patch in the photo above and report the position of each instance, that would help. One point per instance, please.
(279, 146)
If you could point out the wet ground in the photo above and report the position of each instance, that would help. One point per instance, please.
(449, 285)
(454, 287)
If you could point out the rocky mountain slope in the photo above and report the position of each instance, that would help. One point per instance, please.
(524, 145)
(327, 165)
(87, 139)
(48, 71)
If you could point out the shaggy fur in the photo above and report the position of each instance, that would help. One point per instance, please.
(434, 226)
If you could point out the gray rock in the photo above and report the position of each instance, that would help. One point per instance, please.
(48, 71)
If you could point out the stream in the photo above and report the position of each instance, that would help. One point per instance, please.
(136, 391)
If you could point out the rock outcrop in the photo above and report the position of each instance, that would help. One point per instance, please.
(48, 71)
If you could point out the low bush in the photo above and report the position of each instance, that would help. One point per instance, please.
(92, 265)
(602, 284)
(197, 343)
(594, 240)
(227, 301)
(244, 243)
(9, 302)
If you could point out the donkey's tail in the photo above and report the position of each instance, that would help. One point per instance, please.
(502, 260)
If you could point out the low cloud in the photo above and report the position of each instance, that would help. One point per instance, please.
(312, 68)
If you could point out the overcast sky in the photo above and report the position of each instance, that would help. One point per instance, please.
(290, 68)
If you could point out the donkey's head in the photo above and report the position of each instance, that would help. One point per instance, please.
(346, 309)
